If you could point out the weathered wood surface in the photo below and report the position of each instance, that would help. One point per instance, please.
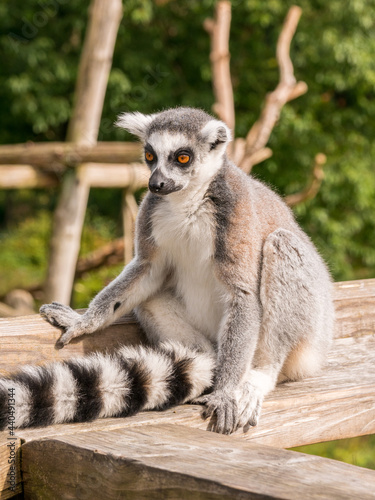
(5, 456)
(25, 177)
(29, 339)
(339, 403)
(173, 462)
(133, 175)
(59, 155)
(355, 308)
(100, 175)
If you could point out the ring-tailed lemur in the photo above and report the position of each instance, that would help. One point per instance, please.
(220, 267)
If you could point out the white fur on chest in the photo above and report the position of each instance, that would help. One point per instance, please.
(184, 233)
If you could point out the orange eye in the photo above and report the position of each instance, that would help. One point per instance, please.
(183, 158)
(149, 156)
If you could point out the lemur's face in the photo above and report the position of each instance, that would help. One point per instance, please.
(172, 160)
(183, 147)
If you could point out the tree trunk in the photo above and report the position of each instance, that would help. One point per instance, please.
(95, 64)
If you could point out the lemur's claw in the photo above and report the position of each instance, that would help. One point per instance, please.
(222, 411)
(59, 344)
(65, 338)
(64, 318)
(250, 403)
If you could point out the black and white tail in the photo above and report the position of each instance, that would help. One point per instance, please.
(103, 385)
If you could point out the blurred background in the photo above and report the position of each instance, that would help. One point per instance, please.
(161, 59)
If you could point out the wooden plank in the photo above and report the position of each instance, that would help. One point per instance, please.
(339, 403)
(10, 472)
(178, 463)
(133, 175)
(30, 340)
(103, 175)
(336, 404)
(354, 302)
(355, 308)
(58, 155)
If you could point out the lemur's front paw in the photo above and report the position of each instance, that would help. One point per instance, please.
(64, 318)
(249, 401)
(59, 315)
(224, 407)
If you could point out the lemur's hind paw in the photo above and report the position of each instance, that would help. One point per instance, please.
(249, 402)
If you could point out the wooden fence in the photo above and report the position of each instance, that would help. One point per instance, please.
(167, 454)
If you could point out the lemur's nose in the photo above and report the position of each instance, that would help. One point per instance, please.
(156, 182)
(155, 187)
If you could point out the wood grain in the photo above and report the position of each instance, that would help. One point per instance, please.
(172, 462)
(339, 403)
(355, 308)
(56, 156)
(336, 404)
(5, 491)
(25, 177)
(29, 339)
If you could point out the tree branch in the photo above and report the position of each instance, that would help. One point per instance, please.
(219, 30)
(286, 90)
(313, 187)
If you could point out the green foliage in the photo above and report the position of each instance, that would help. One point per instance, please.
(23, 252)
(356, 451)
(161, 60)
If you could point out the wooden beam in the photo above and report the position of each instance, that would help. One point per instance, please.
(30, 340)
(355, 317)
(100, 175)
(56, 156)
(168, 461)
(25, 177)
(10, 479)
(133, 176)
(355, 308)
(337, 403)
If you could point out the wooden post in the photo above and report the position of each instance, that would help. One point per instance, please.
(95, 64)
(129, 214)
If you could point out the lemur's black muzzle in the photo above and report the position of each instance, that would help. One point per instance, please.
(160, 184)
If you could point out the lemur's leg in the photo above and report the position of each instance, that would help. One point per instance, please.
(297, 320)
(164, 318)
(135, 284)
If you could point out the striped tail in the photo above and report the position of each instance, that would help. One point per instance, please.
(102, 385)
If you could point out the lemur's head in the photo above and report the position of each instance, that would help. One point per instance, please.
(184, 147)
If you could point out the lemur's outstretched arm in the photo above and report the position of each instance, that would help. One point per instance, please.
(138, 281)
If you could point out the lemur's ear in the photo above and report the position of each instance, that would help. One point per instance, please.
(216, 133)
(136, 123)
